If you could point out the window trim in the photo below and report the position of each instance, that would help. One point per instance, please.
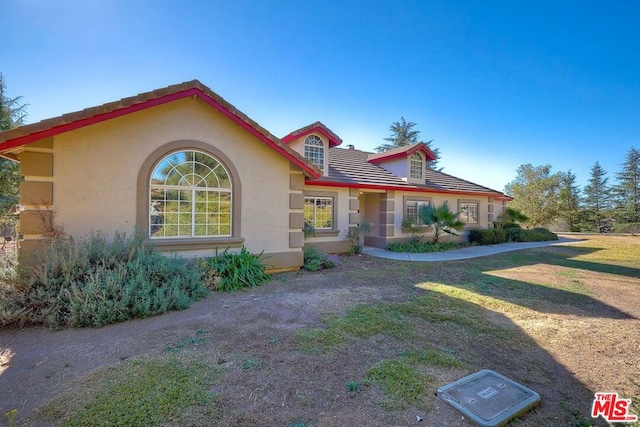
(406, 199)
(193, 189)
(321, 147)
(413, 160)
(181, 243)
(478, 214)
(334, 231)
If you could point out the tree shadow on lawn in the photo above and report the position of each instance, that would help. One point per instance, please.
(542, 279)
(562, 255)
(480, 335)
(470, 295)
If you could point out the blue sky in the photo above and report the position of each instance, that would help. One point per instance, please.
(495, 84)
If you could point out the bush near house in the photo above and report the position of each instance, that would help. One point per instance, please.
(488, 237)
(229, 271)
(515, 234)
(413, 246)
(315, 259)
(99, 281)
(535, 235)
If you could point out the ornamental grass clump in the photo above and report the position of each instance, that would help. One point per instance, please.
(97, 281)
(229, 271)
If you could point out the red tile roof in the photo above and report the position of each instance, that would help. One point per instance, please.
(352, 168)
(33, 132)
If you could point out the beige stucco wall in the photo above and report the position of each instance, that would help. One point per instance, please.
(96, 169)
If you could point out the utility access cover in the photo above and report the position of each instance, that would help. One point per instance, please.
(488, 398)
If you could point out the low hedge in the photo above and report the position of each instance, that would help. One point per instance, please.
(535, 235)
(495, 236)
(488, 237)
(420, 247)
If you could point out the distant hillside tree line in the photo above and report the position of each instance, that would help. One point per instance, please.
(555, 199)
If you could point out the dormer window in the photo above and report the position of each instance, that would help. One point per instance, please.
(416, 166)
(314, 150)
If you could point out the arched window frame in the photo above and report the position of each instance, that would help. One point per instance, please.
(188, 243)
(190, 195)
(314, 150)
(416, 166)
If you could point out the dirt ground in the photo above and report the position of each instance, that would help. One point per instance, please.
(565, 354)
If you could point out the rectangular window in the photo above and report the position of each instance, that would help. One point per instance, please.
(318, 211)
(412, 207)
(468, 212)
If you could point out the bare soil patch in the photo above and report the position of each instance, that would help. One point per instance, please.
(566, 325)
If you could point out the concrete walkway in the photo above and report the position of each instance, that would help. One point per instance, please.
(464, 253)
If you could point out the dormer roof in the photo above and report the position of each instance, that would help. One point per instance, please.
(317, 127)
(401, 152)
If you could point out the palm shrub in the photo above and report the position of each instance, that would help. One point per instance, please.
(229, 271)
(355, 234)
(511, 218)
(98, 281)
(408, 225)
(442, 219)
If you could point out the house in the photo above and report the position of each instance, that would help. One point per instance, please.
(195, 174)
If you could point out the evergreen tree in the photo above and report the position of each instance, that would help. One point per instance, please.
(535, 191)
(596, 200)
(627, 190)
(597, 195)
(569, 200)
(403, 134)
(12, 114)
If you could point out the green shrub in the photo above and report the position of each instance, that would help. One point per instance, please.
(229, 271)
(488, 237)
(96, 282)
(509, 225)
(8, 264)
(629, 227)
(535, 235)
(414, 246)
(315, 259)
(355, 234)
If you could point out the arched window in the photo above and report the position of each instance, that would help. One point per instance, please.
(416, 166)
(314, 150)
(190, 195)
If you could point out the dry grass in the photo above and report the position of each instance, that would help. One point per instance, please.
(369, 342)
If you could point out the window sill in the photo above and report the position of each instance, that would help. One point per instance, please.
(325, 233)
(471, 226)
(180, 244)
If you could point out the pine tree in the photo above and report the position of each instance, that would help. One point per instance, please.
(597, 195)
(569, 199)
(627, 190)
(12, 114)
(596, 200)
(403, 134)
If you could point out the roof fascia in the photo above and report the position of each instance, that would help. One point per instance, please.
(319, 129)
(403, 188)
(195, 92)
